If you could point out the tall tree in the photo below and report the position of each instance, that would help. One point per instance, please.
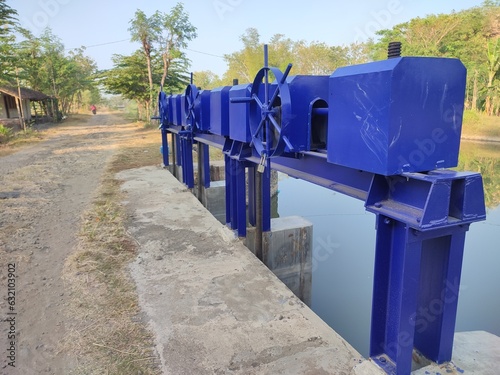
(45, 67)
(165, 35)
(245, 64)
(144, 30)
(174, 34)
(129, 78)
(8, 25)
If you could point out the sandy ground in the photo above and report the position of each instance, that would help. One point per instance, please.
(44, 188)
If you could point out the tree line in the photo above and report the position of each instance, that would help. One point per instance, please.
(42, 63)
(471, 35)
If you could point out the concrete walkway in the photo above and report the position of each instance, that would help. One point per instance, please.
(216, 309)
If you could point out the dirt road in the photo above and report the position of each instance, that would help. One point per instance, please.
(44, 189)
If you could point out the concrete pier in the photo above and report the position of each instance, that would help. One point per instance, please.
(287, 252)
(214, 308)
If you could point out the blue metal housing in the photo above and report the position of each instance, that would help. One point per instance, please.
(219, 111)
(204, 120)
(183, 111)
(177, 110)
(397, 115)
(239, 128)
(305, 91)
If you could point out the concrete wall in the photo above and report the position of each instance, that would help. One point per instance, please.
(287, 252)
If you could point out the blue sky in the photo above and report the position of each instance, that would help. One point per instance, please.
(102, 25)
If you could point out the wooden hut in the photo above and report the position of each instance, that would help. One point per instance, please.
(34, 106)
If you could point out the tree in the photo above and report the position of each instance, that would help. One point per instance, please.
(244, 64)
(129, 78)
(162, 35)
(206, 79)
(469, 35)
(9, 24)
(45, 67)
(493, 54)
(174, 33)
(144, 30)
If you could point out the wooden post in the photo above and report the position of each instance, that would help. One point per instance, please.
(19, 103)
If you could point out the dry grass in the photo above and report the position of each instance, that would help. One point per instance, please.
(108, 336)
(32, 135)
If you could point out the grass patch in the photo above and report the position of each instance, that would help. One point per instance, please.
(5, 134)
(477, 124)
(109, 336)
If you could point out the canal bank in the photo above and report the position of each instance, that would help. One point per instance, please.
(215, 309)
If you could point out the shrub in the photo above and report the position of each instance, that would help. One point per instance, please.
(5, 134)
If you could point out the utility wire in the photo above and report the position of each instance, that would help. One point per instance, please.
(101, 44)
(127, 40)
(205, 53)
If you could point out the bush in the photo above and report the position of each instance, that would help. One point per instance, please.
(5, 134)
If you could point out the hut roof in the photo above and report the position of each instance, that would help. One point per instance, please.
(25, 93)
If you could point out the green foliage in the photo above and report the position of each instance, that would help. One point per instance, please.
(8, 25)
(44, 66)
(206, 79)
(159, 63)
(307, 58)
(5, 134)
(471, 35)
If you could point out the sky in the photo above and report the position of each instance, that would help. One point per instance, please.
(102, 25)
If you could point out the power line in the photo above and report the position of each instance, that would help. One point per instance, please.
(127, 40)
(204, 53)
(103, 44)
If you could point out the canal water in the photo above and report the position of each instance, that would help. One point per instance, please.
(344, 250)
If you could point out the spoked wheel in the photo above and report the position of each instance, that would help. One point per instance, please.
(192, 95)
(163, 109)
(270, 117)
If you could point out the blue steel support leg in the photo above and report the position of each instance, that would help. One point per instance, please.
(164, 144)
(188, 167)
(251, 195)
(442, 255)
(227, 171)
(178, 157)
(233, 192)
(184, 159)
(182, 142)
(416, 283)
(240, 195)
(174, 154)
(396, 282)
(266, 200)
(205, 153)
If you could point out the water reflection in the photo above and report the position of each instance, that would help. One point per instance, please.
(344, 250)
(483, 158)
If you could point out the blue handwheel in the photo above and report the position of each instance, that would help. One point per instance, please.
(163, 109)
(190, 107)
(270, 117)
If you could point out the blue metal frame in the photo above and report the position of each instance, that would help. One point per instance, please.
(422, 215)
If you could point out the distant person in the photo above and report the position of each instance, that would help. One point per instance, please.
(93, 109)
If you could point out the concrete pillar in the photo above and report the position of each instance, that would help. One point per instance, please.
(176, 171)
(287, 252)
(214, 199)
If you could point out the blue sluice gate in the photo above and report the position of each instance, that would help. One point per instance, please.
(382, 132)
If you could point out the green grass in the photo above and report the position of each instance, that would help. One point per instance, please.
(5, 134)
(479, 125)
